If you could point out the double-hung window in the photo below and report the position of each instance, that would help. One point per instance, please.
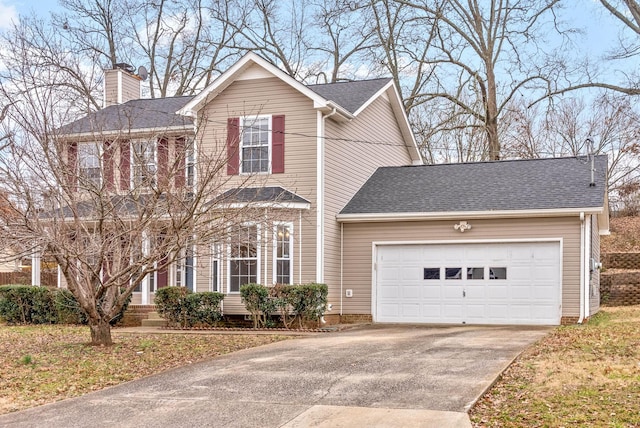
(283, 253)
(244, 258)
(89, 165)
(255, 144)
(143, 159)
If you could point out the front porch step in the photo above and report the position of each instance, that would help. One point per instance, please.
(154, 320)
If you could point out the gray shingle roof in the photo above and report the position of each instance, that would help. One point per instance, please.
(535, 184)
(156, 113)
(259, 194)
(350, 95)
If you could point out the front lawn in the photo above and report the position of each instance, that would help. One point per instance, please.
(582, 375)
(42, 364)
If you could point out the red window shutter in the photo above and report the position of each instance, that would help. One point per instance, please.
(163, 162)
(107, 160)
(233, 145)
(277, 144)
(180, 162)
(125, 162)
(72, 164)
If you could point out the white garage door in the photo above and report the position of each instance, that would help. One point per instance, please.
(495, 283)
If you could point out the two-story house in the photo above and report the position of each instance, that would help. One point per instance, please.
(346, 201)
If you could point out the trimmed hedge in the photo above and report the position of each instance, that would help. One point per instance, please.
(27, 304)
(183, 308)
(304, 302)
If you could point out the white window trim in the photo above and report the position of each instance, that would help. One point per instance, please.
(216, 256)
(190, 159)
(100, 155)
(244, 119)
(132, 161)
(289, 225)
(258, 257)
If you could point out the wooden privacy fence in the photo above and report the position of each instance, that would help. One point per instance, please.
(46, 278)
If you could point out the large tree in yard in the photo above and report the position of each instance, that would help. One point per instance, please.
(106, 223)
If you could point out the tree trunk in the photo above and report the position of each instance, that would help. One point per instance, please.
(100, 333)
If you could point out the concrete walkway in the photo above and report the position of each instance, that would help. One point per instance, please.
(377, 376)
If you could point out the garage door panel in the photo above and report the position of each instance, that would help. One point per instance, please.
(530, 294)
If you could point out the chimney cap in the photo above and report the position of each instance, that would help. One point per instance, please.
(124, 66)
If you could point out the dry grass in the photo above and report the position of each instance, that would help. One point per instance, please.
(586, 375)
(42, 364)
(625, 236)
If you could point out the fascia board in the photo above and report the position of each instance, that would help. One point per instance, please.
(418, 216)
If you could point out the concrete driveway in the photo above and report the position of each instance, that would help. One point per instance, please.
(381, 375)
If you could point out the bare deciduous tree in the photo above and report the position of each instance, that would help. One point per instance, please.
(106, 222)
(609, 125)
(479, 51)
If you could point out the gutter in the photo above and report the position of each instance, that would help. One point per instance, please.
(448, 215)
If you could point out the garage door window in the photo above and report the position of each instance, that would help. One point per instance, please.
(497, 273)
(453, 273)
(431, 273)
(475, 273)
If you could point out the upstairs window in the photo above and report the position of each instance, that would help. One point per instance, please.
(144, 163)
(89, 170)
(255, 144)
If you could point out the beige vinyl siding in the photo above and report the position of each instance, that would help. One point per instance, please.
(359, 238)
(267, 96)
(353, 151)
(594, 292)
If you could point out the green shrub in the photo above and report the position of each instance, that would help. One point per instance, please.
(183, 308)
(169, 304)
(309, 301)
(258, 302)
(203, 308)
(305, 302)
(69, 311)
(282, 297)
(27, 304)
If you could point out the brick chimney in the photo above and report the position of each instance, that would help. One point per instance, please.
(121, 84)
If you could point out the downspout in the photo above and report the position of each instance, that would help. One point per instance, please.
(582, 276)
(587, 266)
(341, 264)
(320, 195)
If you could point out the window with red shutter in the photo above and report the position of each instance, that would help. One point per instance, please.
(277, 144)
(233, 145)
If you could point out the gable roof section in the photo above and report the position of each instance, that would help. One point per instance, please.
(137, 115)
(345, 99)
(351, 95)
(499, 188)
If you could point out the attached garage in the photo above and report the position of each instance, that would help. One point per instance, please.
(506, 242)
(470, 283)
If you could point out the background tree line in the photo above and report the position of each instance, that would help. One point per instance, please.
(469, 72)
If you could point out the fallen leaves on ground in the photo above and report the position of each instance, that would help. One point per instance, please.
(42, 364)
(581, 375)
